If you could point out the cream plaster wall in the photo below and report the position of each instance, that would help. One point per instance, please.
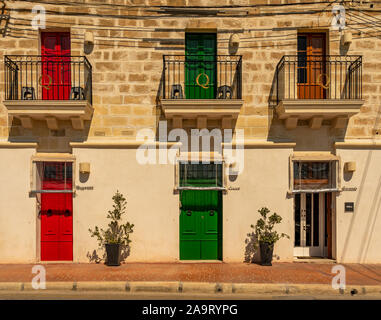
(358, 232)
(18, 227)
(151, 204)
(263, 183)
(154, 208)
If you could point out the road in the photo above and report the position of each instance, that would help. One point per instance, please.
(107, 295)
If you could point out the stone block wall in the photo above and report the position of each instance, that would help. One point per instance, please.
(131, 38)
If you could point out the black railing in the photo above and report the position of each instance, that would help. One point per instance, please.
(48, 78)
(319, 77)
(202, 77)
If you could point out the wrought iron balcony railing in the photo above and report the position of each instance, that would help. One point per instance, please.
(48, 78)
(202, 77)
(319, 77)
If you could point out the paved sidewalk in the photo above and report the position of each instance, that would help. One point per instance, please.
(284, 273)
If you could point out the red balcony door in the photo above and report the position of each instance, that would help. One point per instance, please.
(312, 77)
(56, 216)
(55, 79)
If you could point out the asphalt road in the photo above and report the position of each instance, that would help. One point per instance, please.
(107, 295)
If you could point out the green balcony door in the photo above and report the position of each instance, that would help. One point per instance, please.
(201, 225)
(200, 65)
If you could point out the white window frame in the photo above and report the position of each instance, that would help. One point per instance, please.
(337, 168)
(177, 175)
(50, 158)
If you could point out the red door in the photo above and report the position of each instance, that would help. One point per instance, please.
(55, 79)
(56, 214)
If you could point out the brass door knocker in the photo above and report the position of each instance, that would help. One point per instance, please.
(320, 82)
(47, 87)
(205, 85)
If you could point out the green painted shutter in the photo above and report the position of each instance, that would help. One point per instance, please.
(200, 225)
(200, 61)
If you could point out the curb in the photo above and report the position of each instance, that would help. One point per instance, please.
(195, 287)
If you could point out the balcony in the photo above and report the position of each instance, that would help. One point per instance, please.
(202, 87)
(48, 88)
(317, 88)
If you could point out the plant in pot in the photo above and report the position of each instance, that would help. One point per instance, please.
(266, 235)
(117, 234)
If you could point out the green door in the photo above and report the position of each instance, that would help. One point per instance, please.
(200, 225)
(200, 65)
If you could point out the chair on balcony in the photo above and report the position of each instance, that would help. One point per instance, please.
(177, 92)
(77, 93)
(28, 93)
(224, 92)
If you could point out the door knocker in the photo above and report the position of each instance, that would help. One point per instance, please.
(189, 213)
(211, 213)
(205, 85)
(320, 82)
(47, 87)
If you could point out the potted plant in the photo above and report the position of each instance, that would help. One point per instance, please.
(117, 234)
(266, 235)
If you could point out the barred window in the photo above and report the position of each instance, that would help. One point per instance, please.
(52, 175)
(201, 175)
(314, 175)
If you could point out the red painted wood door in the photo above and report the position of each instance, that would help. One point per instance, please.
(56, 216)
(55, 78)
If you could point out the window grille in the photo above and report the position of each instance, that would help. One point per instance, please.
(314, 176)
(200, 176)
(52, 177)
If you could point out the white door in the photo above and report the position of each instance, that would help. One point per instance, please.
(310, 232)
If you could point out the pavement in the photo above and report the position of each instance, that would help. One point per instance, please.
(196, 278)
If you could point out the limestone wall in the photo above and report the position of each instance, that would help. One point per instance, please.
(130, 41)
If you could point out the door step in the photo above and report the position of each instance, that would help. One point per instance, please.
(314, 260)
(200, 261)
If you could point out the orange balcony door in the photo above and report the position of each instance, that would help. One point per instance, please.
(311, 66)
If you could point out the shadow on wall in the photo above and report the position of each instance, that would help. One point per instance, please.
(159, 111)
(99, 255)
(251, 253)
(276, 132)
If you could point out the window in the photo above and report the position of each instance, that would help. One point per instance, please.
(200, 175)
(52, 176)
(314, 175)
